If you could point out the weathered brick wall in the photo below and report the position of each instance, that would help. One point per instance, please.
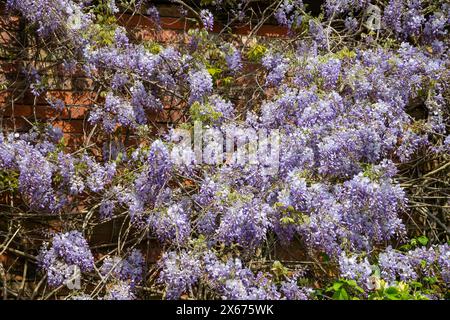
(19, 108)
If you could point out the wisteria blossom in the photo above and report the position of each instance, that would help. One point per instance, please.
(195, 163)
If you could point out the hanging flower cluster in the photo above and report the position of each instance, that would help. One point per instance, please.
(341, 109)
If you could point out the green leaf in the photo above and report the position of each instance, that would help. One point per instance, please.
(337, 285)
(256, 52)
(325, 257)
(227, 80)
(392, 296)
(430, 280)
(358, 288)
(214, 72)
(405, 247)
(416, 284)
(336, 295)
(343, 295)
(423, 263)
(278, 269)
(287, 220)
(352, 283)
(376, 271)
(423, 240)
(392, 290)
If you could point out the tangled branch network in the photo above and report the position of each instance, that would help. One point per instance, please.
(358, 206)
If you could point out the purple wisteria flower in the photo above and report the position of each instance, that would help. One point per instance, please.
(129, 269)
(395, 264)
(277, 66)
(288, 13)
(200, 83)
(119, 291)
(179, 272)
(406, 266)
(67, 251)
(207, 19)
(153, 14)
(155, 174)
(99, 175)
(245, 223)
(235, 282)
(233, 58)
(351, 268)
(292, 291)
(171, 225)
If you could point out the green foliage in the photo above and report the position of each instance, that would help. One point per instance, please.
(290, 215)
(256, 52)
(153, 47)
(287, 220)
(9, 180)
(399, 291)
(279, 270)
(345, 290)
(203, 112)
(214, 72)
(103, 34)
(227, 81)
(206, 2)
(4, 86)
(415, 242)
(345, 53)
(234, 196)
(102, 31)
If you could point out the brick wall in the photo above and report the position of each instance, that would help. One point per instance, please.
(19, 108)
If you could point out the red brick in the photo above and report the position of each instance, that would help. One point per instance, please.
(9, 22)
(164, 36)
(4, 96)
(78, 112)
(68, 97)
(73, 126)
(8, 67)
(7, 38)
(73, 140)
(44, 112)
(17, 111)
(75, 98)
(17, 124)
(140, 21)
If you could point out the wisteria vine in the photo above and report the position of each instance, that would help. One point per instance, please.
(342, 89)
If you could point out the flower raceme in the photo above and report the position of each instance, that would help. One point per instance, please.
(343, 125)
